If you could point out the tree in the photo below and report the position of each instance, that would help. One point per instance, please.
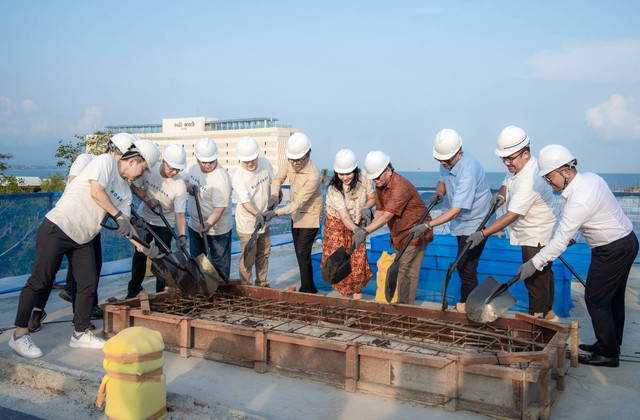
(9, 184)
(95, 143)
(55, 182)
(325, 176)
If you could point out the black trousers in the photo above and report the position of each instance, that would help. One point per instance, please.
(604, 294)
(303, 242)
(139, 260)
(52, 244)
(541, 286)
(468, 266)
(43, 297)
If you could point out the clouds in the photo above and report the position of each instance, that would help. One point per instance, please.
(614, 61)
(90, 122)
(617, 118)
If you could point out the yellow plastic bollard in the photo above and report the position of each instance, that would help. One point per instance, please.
(384, 262)
(134, 386)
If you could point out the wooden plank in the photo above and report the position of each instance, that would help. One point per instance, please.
(185, 337)
(560, 359)
(545, 398)
(415, 358)
(555, 326)
(451, 384)
(260, 351)
(502, 372)
(575, 326)
(351, 369)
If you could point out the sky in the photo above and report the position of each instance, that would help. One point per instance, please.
(364, 75)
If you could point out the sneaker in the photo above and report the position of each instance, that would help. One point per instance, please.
(97, 313)
(65, 295)
(25, 346)
(35, 322)
(86, 340)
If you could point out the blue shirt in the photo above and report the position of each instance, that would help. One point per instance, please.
(468, 189)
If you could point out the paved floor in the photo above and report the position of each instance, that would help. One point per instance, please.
(206, 389)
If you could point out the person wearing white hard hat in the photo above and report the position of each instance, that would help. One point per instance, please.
(305, 206)
(251, 185)
(529, 201)
(164, 185)
(399, 206)
(349, 195)
(466, 191)
(591, 208)
(214, 189)
(68, 229)
(117, 146)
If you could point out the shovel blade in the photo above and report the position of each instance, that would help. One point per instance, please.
(332, 265)
(248, 262)
(479, 310)
(392, 280)
(210, 280)
(167, 273)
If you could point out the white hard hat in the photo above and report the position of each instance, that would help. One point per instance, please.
(206, 150)
(175, 156)
(552, 157)
(375, 163)
(447, 144)
(247, 149)
(148, 150)
(122, 141)
(345, 161)
(297, 146)
(510, 140)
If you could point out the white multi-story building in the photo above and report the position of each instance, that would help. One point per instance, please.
(268, 132)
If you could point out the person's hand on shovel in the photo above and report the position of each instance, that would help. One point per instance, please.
(152, 252)
(182, 241)
(359, 236)
(435, 198)
(273, 202)
(259, 221)
(367, 215)
(526, 270)
(475, 239)
(204, 228)
(124, 225)
(268, 215)
(497, 200)
(420, 229)
(193, 190)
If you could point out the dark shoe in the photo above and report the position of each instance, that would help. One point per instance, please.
(588, 347)
(65, 295)
(594, 359)
(96, 313)
(35, 322)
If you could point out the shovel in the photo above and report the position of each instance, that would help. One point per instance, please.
(566, 264)
(392, 272)
(337, 266)
(490, 300)
(202, 271)
(454, 264)
(252, 241)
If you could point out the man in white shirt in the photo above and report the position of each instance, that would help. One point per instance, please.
(68, 230)
(163, 184)
(529, 212)
(251, 186)
(214, 185)
(118, 146)
(592, 208)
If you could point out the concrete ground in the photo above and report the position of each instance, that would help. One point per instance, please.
(63, 383)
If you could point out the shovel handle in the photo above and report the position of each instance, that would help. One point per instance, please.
(502, 288)
(421, 221)
(202, 234)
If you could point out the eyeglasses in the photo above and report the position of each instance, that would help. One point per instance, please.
(510, 159)
(298, 161)
(171, 168)
(448, 161)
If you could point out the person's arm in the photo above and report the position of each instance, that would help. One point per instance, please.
(250, 208)
(278, 180)
(346, 219)
(139, 192)
(70, 179)
(181, 223)
(307, 191)
(215, 215)
(99, 195)
(380, 218)
(441, 188)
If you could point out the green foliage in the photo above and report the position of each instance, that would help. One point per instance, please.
(325, 176)
(95, 143)
(4, 165)
(9, 184)
(55, 182)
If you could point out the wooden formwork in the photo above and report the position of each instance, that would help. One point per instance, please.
(511, 383)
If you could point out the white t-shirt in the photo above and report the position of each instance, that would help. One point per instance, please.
(215, 191)
(170, 192)
(531, 197)
(76, 213)
(80, 163)
(592, 208)
(252, 187)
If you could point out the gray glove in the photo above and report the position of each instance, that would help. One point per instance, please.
(359, 236)
(367, 215)
(182, 241)
(152, 252)
(268, 215)
(273, 202)
(124, 226)
(193, 190)
(418, 230)
(526, 270)
(435, 198)
(154, 205)
(259, 221)
(497, 200)
(204, 228)
(475, 239)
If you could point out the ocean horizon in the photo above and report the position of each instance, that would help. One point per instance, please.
(421, 179)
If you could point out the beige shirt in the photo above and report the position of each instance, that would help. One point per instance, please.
(352, 200)
(305, 207)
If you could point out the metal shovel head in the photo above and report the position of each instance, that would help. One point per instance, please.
(166, 272)
(332, 264)
(210, 280)
(392, 281)
(479, 310)
(187, 282)
(248, 262)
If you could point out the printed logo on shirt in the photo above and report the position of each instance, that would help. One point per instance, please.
(261, 181)
(157, 188)
(116, 195)
(197, 182)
